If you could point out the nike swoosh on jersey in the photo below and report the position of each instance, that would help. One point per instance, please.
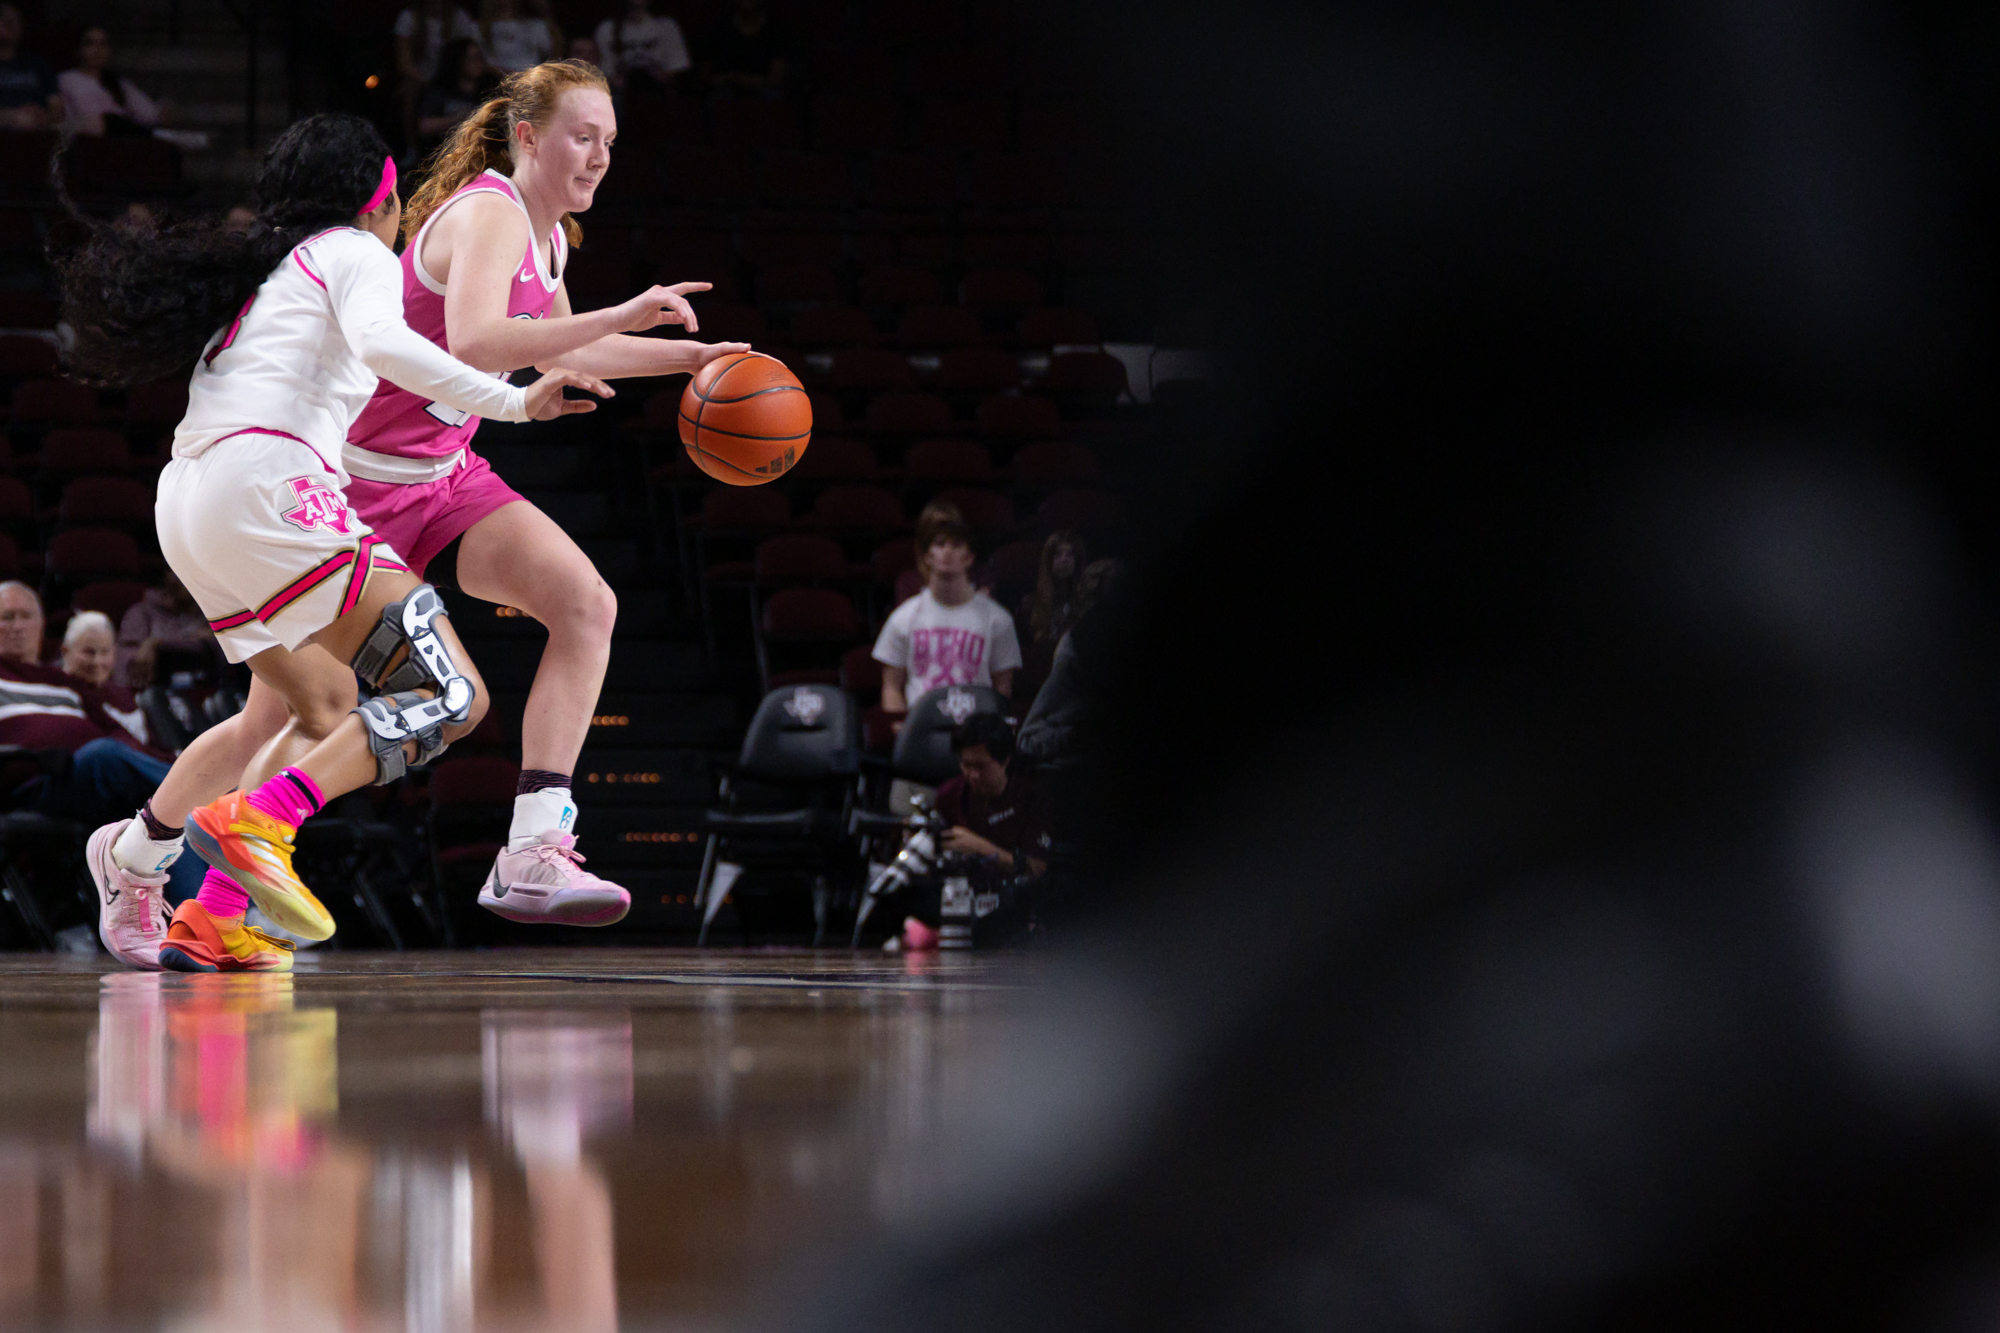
(527, 275)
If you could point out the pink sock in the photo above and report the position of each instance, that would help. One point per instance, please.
(220, 896)
(290, 796)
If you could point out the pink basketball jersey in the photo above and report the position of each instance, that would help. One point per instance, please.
(396, 421)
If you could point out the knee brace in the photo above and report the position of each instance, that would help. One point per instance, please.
(401, 714)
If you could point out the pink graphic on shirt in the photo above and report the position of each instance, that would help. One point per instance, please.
(946, 656)
(320, 506)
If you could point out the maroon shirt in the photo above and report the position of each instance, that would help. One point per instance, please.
(46, 708)
(1016, 819)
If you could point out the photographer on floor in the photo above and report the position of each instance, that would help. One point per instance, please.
(993, 810)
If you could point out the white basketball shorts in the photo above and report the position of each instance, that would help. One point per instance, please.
(258, 530)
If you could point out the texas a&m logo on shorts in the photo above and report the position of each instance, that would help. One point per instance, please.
(320, 506)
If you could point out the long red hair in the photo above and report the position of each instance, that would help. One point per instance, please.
(484, 140)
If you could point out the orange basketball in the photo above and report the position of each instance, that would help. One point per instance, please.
(745, 419)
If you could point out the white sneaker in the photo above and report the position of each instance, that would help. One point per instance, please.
(545, 884)
(131, 913)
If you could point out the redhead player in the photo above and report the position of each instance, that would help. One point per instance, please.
(288, 329)
(489, 232)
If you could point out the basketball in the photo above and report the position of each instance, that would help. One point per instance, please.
(745, 419)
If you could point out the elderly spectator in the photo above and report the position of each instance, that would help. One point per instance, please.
(163, 621)
(641, 49)
(89, 651)
(746, 52)
(98, 100)
(109, 772)
(462, 83)
(29, 99)
(950, 633)
(518, 34)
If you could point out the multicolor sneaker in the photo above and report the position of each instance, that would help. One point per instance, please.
(131, 914)
(543, 884)
(198, 942)
(255, 850)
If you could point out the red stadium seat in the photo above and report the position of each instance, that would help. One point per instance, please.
(703, 176)
(59, 402)
(962, 124)
(1019, 416)
(79, 450)
(1054, 463)
(753, 122)
(910, 414)
(913, 181)
(160, 404)
(28, 358)
(1058, 326)
(834, 459)
(892, 559)
(1097, 374)
(17, 506)
(815, 180)
(908, 584)
(811, 613)
(990, 514)
(833, 326)
(861, 674)
(1012, 570)
(828, 416)
(976, 369)
(121, 502)
(897, 285)
(797, 284)
(856, 511)
(948, 462)
(730, 322)
(800, 557)
(114, 597)
(940, 326)
(1091, 512)
(93, 553)
(10, 557)
(856, 124)
(745, 509)
(1002, 289)
(870, 368)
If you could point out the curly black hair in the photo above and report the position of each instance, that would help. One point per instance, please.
(144, 300)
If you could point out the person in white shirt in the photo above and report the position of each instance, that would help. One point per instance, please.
(643, 44)
(950, 633)
(289, 327)
(518, 33)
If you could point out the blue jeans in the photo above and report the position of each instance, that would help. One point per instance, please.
(108, 780)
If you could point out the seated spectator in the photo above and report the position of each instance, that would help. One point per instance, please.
(746, 52)
(240, 218)
(97, 100)
(421, 32)
(29, 99)
(950, 633)
(1052, 734)
(993, 809)
(89, 651)
(586, 50)
(164, 624)
(462, 83)
(1051, 609)
(518, 34)
(109, 772)
(641, 51)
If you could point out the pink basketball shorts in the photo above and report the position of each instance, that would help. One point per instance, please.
(428, 517)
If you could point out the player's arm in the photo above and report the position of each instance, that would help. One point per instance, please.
(477, 245)
(621, 356)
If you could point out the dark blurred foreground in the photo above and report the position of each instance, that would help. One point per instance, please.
(1550, 752)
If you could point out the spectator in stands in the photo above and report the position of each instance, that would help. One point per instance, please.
(98, 100)
(586, 49)
(641, 50)
(240, 218)
(747, 51)
(21, 623)
(993, 809)
(164, 620)
(1051, 608)
(463, 81)
(89, 653)
(421, 33)
(109, 772)
(1053, 732)
(950, 633)
(29, 99)
(518, 33)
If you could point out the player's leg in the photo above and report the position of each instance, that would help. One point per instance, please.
(517, 556)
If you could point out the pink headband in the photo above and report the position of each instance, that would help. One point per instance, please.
(383, 190)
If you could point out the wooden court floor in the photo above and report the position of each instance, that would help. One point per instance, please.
(534, 1140)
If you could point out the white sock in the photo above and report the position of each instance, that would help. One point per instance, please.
(136, 852)
(536, 812)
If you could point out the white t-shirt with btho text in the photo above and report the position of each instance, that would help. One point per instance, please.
(948, 645)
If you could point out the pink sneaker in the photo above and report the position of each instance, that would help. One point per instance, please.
(131, 914)
(544, 884)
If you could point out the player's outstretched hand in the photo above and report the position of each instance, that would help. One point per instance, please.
(707, 352)
(662, 305)
(545, 395)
